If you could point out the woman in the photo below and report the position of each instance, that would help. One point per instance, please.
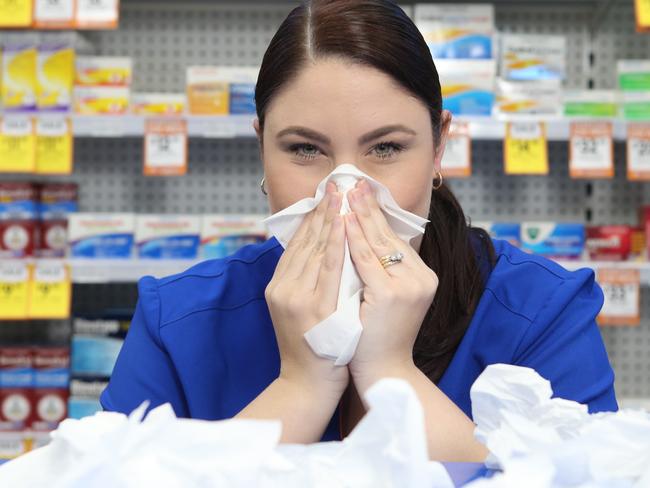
(353, 81)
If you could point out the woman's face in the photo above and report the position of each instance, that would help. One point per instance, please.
(337, 112)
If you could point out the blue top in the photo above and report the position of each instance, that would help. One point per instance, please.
(203, 340)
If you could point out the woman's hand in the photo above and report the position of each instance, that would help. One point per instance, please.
(395, 299)
(304, 291)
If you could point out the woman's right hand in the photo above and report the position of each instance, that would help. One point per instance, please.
(304, 291)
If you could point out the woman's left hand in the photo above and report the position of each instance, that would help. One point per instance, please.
(395, 299)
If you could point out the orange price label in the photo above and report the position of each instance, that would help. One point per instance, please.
(457, 159)
(591, 150)
(165, 147)
(638, 152)
(621, 288)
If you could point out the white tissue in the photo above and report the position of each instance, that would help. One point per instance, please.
(387, 449)
(551, 442)
(337, 336)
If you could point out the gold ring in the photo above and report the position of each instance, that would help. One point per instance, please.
(390, 259)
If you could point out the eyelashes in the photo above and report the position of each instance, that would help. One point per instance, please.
(308, 152)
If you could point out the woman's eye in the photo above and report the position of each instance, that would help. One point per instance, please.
(304, 151)
(385, 150)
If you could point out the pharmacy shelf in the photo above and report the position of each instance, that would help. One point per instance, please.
(642, 266)
(131, 270)
(124, 270)
(224, 126)
(232, 126)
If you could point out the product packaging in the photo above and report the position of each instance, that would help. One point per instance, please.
(222, 235)
(51, 387)
(16, 388)
(101, 100)
(553, 239)
(19, 59)
(591, 103)
(531, 57)
(507, 231)
(609, 242)
(158, 104)
(467, 86)
(459, 31)
(167, 236)
(207, 91)
(633, 75)
(54, 74)
(101, 235)
(103, 71)
(18, 238)
(18, 201)
(528, 98)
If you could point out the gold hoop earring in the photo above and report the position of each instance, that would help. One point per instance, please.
(436, 186)
(262, 186)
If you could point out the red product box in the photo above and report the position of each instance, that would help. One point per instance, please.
(52, 237)
(18, 238)
(16, 381)
(609, 242)
(644, 220)
(50, 407)
(51, 387)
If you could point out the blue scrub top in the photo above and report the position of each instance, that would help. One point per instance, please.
(203, 340)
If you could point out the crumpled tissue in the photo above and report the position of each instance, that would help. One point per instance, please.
(388, 448)
(337, 336)
(541, 441)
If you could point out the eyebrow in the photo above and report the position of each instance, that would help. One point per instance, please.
(370, 136)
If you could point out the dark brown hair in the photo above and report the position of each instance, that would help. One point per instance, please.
(378, 34)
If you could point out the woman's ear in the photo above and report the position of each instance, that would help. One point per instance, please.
(258, 133)
(439, 150)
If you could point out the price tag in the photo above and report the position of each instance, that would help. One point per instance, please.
(638, 152)
(54, 145)
(15, 13)
(591, 150)
(50, 290)
(622, 297)
(457, 158)
(165, 147)
(14, 293)
(642, 10)
(97, 14)
(525, 149)
(17, 144)
(53, 13)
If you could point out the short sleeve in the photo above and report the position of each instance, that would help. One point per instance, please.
(563, 344)
(144, 370)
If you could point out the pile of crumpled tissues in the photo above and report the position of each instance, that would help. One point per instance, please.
(539, 441)
(387, 449)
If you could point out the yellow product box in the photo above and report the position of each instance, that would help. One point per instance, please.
(158, 103)
(103, 71)
(101, 100)
(19, 75)
(54, 76)
(207, 90)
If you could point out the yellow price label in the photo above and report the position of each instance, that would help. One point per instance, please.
(14, 292)
(642, 9)
(15, 13)
(54, 145)
(50, 291)
(525, 149)
(17, 145)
